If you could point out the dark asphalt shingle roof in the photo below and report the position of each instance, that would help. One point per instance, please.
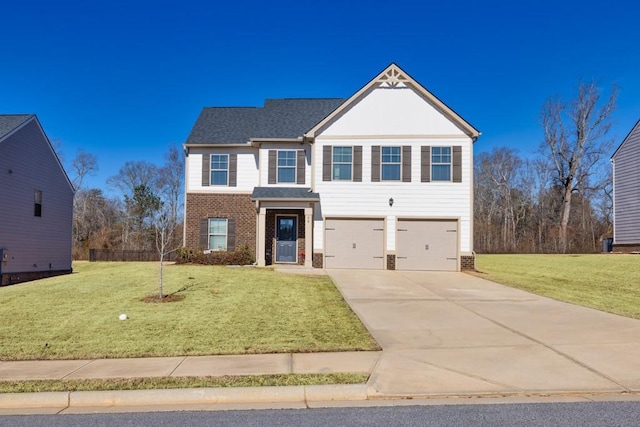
(278, 118)
(9, 122)
(285, 193)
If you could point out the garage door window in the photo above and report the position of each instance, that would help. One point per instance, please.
(441, 163)
(342, 163)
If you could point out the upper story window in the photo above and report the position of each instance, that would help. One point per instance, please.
(342, 163)
(441, 163)
(218, 234)
(219, 169)
(38, 203)
(287, 166)
(391, 163)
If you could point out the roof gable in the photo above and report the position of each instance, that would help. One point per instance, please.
(11, 122)
(634, 130)
(394, 77)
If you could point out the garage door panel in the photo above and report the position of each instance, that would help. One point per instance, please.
(427, 245)
(354, 243)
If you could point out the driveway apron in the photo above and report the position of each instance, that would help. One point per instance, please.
(448, 333)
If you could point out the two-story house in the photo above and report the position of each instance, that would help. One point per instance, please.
(626, 193)
(36, 203)
(380, 180)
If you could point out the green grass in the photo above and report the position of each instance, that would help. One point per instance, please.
(181, 382)
(224, 311)
(606, 282)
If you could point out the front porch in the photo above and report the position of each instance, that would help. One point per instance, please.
(284, 225)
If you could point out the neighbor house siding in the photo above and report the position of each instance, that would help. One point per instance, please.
(33, 244)
(626, 173)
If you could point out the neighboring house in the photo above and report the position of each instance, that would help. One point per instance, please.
(36, 204)
(381, 180)
(626, 193)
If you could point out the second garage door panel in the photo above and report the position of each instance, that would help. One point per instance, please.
(354, 243)
(427, 245)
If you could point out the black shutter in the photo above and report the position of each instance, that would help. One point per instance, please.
(301, 163)
(273, 165)
(204, 233)
(326, 162)
(206, 169)
(457, 163)
(406, 163)
(231, 235)
(425, 164)
(357, 163)
(375, 163)
(233, 170)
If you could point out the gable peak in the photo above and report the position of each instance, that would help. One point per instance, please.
(393, 76)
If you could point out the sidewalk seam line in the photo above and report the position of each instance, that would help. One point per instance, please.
(78, 368)
(177, 366)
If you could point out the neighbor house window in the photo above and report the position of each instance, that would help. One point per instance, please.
(219, 169)
(391, 161)
(342, 163)
(38, 203)
(441, 163)
(218, 234)
(286, 166)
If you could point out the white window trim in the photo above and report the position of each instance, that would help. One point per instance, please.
(450, 164)
(382, 163)
(295, 166)
(333, 178)
(210, 234)
(211, 170)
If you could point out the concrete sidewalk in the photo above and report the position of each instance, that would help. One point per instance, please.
(456, 334)
(192, 366)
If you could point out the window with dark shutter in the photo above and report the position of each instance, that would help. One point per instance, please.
(233, 170)
(273, 166)
(406, 163)
(375, 163)
(204, 233)
(231, 235)
(301, 164)
(457, 163)
(357, 163)
(206, 169)
(425, 164)
(326, 162)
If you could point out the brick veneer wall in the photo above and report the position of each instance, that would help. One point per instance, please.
(237, 206)
(270, 232)
(317, 260)
(467, 262)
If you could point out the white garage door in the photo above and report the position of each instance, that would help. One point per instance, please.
(427, 245)
(354, 243)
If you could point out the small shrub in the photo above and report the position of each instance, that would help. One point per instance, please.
(242, 256)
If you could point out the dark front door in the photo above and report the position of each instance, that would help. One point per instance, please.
(286, 239)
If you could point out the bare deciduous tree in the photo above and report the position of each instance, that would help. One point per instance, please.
(574, 143)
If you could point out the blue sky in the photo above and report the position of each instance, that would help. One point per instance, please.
(125, 79)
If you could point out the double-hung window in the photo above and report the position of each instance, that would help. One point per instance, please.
(441, 163)
(391, 163)
(286, 166)
(219, 169)
(342, 163)
(218, 234)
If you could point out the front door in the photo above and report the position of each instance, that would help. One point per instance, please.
(286, 239)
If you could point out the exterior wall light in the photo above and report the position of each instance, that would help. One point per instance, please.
(390, 201)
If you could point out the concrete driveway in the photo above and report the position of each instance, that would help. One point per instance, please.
(453, 333)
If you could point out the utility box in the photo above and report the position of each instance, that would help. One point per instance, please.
(607, 245)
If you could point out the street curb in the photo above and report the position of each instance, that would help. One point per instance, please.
(79, 399)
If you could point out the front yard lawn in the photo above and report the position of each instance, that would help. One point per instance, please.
(607, 282)
(224, 311)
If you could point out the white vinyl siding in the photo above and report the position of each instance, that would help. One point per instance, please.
(247, 170)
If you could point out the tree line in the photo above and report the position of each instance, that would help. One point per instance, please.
(558, 201)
